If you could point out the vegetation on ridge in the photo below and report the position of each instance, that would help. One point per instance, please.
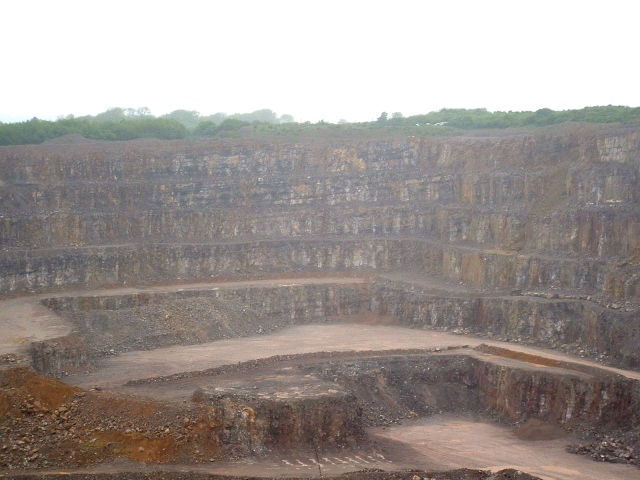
(128, 124)
(481, 118)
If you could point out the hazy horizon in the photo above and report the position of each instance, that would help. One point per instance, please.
(315, 60)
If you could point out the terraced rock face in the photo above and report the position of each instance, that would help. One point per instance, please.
(525, 237)
(539, 210)
(547, 214)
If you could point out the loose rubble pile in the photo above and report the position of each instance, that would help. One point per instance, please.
(614, 449)
(10, 359)
(175, 322)
(179, 322)
(46, 423)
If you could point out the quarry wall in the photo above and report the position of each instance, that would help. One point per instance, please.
(555, 207)
(548, 211)
(571, 324)
(393, 388)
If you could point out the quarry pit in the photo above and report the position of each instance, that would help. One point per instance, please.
(462, 307)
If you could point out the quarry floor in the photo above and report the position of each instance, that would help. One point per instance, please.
(439, 442)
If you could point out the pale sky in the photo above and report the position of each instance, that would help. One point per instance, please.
(315, 60)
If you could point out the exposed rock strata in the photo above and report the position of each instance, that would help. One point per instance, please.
(555, 208)
(573, 324)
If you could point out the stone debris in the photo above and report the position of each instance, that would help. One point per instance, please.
(610, 449)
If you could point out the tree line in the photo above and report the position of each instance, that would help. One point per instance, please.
(481, 118)
(129, 123)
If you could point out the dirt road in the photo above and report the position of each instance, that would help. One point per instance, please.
(114, 371)
(443, 442)
(23, 320)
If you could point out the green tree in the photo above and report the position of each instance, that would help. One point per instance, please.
(286, 118)
(207, 128)
(189, 118)
(216, 118)
(114, 114)
(265, 116)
